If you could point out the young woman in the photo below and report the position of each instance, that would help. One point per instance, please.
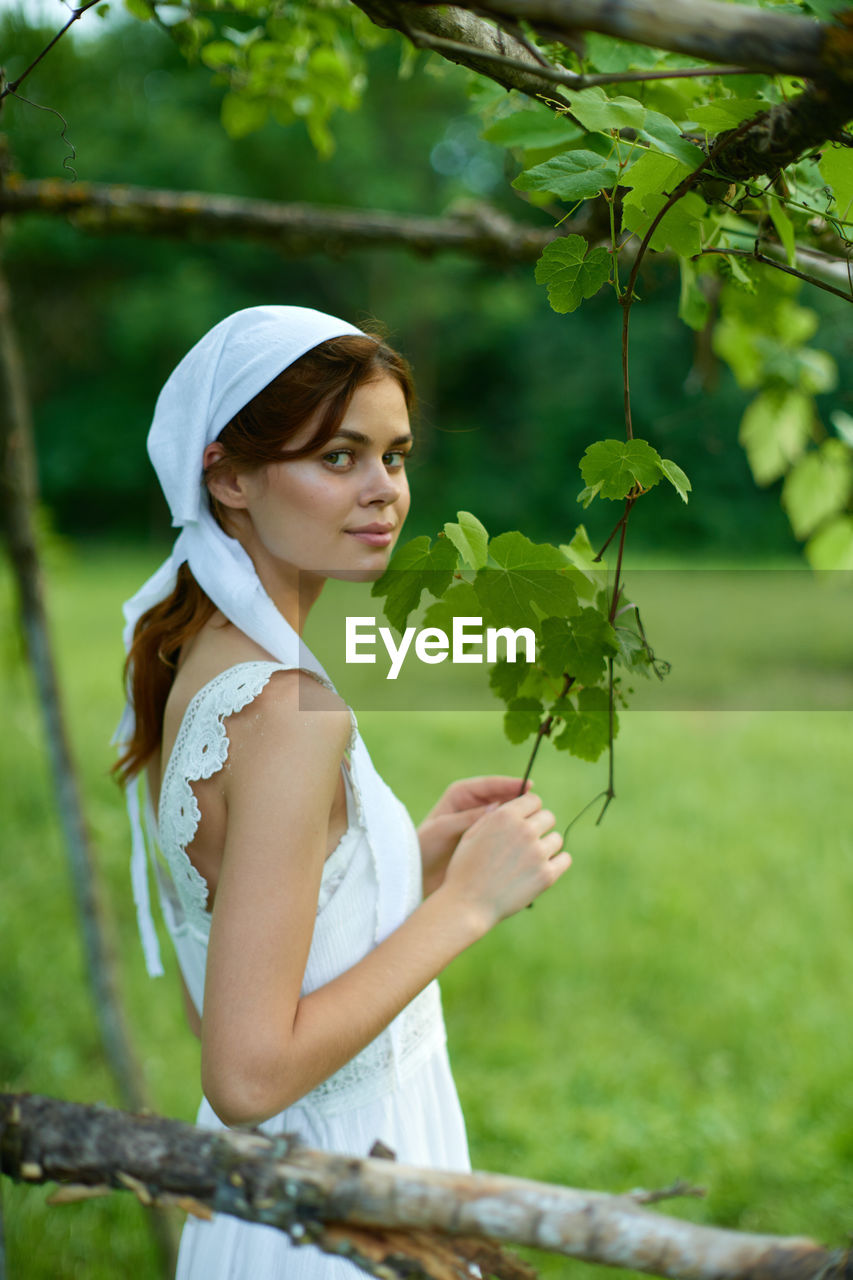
(309, 918)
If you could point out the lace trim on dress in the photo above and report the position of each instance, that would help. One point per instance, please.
(200, 751)
(386, 1061)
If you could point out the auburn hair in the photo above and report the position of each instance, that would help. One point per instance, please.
(318, 386)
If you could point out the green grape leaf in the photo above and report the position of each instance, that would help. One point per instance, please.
(832, 546)
(522, 574)
(586, 731)
(818, 486)
(415, 567)
(469, 538)
(665, 135)
(577, 648)
(693, 305)
(506, 678)
(676, 478)
(139, 9)
(652, 174)
(619, 465)
(680, 228)
(774, 431)
(572, 175)
(571, 273)
(522, 717)
(726, 113)
(533, 130)
(592, 574)
(459, 601)
(598, 113)
(586, 495)
(836, 167)
(784, 230)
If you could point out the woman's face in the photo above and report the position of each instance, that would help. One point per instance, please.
(337, 512)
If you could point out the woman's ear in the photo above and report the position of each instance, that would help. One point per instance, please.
(224, 482)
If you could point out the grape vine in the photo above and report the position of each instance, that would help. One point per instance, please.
(566, 595)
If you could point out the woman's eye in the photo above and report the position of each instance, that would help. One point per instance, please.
(338, 459)
(395, 459)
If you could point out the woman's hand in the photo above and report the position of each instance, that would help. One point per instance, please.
(504, 860)
(462, 804)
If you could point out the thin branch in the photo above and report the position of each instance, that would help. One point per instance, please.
(571, 79)
(77, 13)
(757, 256)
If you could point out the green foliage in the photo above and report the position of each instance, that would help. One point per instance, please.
(573, 175)
(510, 581)
(615, 468)
(572, 272)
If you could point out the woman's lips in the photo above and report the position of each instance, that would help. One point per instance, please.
(373, 537)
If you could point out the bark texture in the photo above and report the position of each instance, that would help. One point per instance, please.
(334, 1200)
(712, 30)
(291, 228)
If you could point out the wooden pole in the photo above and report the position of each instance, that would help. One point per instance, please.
(18, 498)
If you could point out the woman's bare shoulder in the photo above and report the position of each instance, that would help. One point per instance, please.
(286, 703)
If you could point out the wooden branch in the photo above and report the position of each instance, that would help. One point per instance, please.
(290, 228)
(18, 500)
(322, 1197)
(473, 39)
(708, 29)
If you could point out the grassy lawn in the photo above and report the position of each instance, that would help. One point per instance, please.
(678, 1007)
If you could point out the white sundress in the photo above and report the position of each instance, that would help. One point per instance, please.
(398, 1090)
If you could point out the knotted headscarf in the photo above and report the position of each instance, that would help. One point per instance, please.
(224, 371)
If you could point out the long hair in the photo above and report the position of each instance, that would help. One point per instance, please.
(318, 385)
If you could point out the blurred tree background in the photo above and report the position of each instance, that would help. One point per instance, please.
(511, 393)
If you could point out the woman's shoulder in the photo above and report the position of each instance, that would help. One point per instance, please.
(223, 673)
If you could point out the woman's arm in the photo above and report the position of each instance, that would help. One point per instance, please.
(263, 1046)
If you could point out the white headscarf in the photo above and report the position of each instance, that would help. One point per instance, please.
(224, 371)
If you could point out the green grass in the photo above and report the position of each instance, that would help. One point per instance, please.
(678, 1007)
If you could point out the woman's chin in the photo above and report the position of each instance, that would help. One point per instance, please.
(365, 573)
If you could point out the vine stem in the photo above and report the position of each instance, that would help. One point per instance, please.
(610, 793)
(543, 732)
(76, 13)
(627, 299)
(620, 524)
(725, 139)
(757, 256)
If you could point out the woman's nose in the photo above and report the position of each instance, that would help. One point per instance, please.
(382, 486)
